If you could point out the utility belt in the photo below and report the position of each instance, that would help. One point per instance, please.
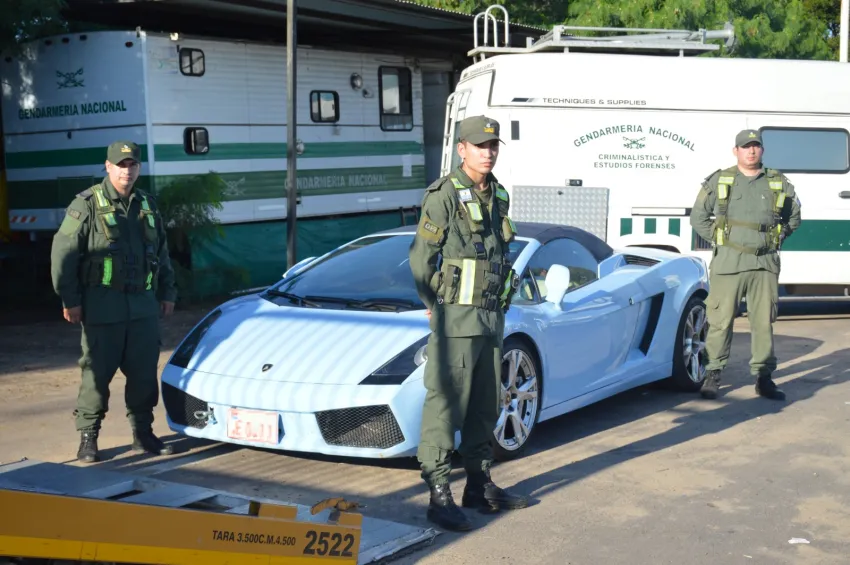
(774, 230)
(473, 282)
(757, 251)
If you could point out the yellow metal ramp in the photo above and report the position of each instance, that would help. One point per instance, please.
(64, 512)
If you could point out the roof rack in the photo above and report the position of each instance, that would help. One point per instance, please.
(640, 41)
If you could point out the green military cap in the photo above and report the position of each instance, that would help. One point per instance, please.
(121, 150)
(478, 129)
(747, 136)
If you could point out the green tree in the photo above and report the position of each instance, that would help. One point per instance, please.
(529, 12)
(827, 11)
(25, 20)
(779, 29)
(188, 205)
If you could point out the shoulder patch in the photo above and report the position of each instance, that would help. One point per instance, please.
(70, 225)
(74, 214)
(430, 231)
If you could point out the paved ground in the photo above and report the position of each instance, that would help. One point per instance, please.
(648, 477)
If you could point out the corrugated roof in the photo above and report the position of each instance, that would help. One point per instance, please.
(390, 23)
(465, 14)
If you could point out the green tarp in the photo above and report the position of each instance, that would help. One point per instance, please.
(254, 255)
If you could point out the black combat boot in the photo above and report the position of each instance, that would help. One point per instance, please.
(87, 453)
(145, 440)
(710, 385)
(767, 388)
(480, 492)
(443, 511)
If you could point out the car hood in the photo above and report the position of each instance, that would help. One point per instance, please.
(303, 345)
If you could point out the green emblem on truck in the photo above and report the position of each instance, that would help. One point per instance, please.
(70, 80)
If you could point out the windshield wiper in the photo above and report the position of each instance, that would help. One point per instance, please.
(332, 299)
(395, 304)
(295, 298)
(381, 303)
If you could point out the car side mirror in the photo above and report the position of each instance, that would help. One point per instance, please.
(297, 267)
(557, 283)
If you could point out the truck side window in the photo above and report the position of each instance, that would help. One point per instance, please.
(324, 106)
(806, 150)
(196, 141)
(192, 62)
(396, 98)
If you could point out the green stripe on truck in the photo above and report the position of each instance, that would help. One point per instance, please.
(218, 151)
(240, 186)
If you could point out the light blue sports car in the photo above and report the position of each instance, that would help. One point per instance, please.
(330, 359)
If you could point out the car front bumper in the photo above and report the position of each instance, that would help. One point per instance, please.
(366, 421)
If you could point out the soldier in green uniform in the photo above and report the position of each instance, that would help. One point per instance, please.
(755, 209)
(465, 226)
(111, 269)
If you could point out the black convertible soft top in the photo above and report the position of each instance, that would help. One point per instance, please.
(544, 233)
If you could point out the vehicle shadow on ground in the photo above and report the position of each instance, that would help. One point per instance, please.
(818, 373)
(826, 370)
(654, 398)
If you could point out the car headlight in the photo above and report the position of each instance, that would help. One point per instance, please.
(397, 369)
(184, 352)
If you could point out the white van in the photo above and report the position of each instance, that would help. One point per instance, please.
(615, 135)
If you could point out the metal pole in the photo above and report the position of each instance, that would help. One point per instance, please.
(291, 170)
(844, 30)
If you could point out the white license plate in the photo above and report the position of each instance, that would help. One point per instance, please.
(252, 425)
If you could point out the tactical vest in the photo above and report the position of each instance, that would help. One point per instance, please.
(117, 266)
(723, 224)
(476, 281)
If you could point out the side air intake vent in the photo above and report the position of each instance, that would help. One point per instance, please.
(655, 303)
(635, 260)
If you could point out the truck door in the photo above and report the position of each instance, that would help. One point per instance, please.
(455, 112)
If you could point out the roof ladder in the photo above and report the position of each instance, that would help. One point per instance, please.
(642, 41)
(479, 52)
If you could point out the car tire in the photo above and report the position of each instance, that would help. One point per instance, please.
(525, 410)
(691, 333)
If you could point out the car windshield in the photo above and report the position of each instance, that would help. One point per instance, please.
(371, 273)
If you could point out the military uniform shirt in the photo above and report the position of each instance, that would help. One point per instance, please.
(750, 200)
(80, 232)
(444, 226)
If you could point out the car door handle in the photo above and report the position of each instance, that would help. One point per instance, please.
(844, 194)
